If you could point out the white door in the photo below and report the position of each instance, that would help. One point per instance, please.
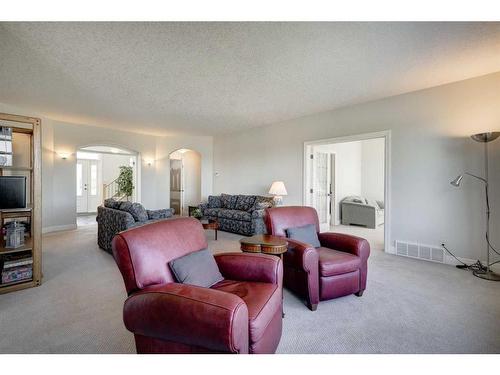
(87, 185)
(321, 188)
(332, 196)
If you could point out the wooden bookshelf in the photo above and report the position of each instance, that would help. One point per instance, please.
(31, 155)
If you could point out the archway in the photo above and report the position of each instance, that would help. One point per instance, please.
(185, 180)
(97, 169)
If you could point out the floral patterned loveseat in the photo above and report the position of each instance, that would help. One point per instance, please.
(242, 214)
(115, 216)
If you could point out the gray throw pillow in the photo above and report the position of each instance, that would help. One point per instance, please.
(198, 268)
(138, 212)
(306, 234)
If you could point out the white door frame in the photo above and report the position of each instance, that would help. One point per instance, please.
(138, 162)
(386, 134)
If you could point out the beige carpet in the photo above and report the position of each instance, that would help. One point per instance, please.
(410, 306)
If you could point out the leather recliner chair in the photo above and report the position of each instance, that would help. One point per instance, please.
(337, 268)
(241, 314)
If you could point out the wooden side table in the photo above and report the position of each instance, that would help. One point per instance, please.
(265, 244)
(210, 224)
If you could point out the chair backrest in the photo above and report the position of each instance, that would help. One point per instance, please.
(143, 253)
(279, 219)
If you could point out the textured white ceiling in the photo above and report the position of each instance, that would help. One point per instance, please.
(210, 78)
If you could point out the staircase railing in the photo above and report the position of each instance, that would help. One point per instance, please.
(111, 190)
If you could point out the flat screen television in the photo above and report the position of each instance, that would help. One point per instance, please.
(12, 192)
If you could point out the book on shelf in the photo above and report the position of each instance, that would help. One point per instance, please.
(22, 258)
(10, 275)
(17, 263)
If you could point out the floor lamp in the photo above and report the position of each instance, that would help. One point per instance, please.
(485, 138)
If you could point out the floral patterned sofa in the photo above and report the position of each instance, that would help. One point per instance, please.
(115, 216)
(242, 214)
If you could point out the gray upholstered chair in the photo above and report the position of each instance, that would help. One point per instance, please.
(360, 211)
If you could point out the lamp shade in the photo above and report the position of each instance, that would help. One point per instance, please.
(278, 188)
(485, 137)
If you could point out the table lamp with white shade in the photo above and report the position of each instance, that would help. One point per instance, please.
(278, 190)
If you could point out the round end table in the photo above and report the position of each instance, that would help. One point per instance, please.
(264, 243)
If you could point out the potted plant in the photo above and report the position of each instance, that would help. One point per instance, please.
(196, 213)
(125, 181)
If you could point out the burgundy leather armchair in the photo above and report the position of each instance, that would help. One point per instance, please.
(337, 268)
(241, 314)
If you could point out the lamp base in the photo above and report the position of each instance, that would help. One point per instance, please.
(278, 200)
(489, 275)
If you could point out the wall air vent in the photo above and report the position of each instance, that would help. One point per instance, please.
(419, 251)
(401, 248)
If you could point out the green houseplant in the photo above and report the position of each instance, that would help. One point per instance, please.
(125, 181)
(197, 213)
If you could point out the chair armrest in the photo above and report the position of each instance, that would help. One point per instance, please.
(345, 242)
(301, 255)
(250, 267)
(190, 315)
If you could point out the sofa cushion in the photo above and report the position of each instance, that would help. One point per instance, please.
(306, 234)
(125, 206)
(236, 226)
(234, 214)
(372, 202)
(228, 201)
(214, 201)
(111, 203)
(263, 301)
(244, 202)
(198, 268)
(160, 214)
(214, 212)
(334, 262)
(138, 212)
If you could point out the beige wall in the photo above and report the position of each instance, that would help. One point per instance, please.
(430, 146)
(372, 169)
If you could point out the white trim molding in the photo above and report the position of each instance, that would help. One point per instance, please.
(386, 134)
(58, 228)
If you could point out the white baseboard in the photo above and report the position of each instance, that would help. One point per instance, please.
(58, 228)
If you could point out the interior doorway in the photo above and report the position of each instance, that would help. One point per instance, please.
(185, 180)
(347, 181)
(88, 172)
(97, 170)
